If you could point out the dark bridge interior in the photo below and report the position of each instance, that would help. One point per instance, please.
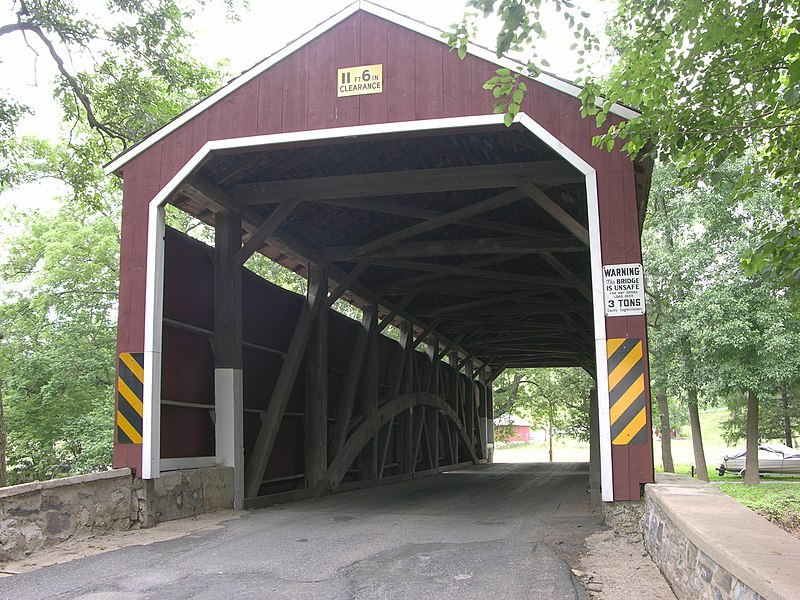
(477, 238)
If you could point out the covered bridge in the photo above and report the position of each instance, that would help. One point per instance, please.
(365, 157)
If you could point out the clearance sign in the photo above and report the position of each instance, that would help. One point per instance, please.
(355, 81)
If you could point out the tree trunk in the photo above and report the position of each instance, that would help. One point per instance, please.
(787, 423)
(550, 435)
(511, 400)
(751, 476)
(697, 437)
(666, 440)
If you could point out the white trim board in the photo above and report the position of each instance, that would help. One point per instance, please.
(155, 261)
(368, 7)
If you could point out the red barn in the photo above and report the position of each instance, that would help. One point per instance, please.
(365, 157)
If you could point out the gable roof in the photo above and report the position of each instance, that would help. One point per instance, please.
(544, 78)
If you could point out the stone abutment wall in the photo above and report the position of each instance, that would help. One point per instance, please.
(42, 514)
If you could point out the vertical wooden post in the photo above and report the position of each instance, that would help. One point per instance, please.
(483, 412)
(594, 449)
(433, 415)
(406, 387)
(228, 387)
(456, 392)
(316, 377)
(469, 401)
(489, 417)
(369, 390)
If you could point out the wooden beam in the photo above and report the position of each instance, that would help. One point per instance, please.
(459, 287)
(490, 301)
(385, 450)
(469, 400)
(349, 280)
(576, 281)
(480, 224)
(543, 307)
(430, 267)
(426, 332)
(213, 197)
(280, 396)
(554, 210)
(369, 429)
(227, 291)
(455, 216)
(267, 228)
(344, 411)
(417, 431)
(316, 389)
(406, 387)
(395, 311)
(464, 247)
(398, 183)
(369, 390)
(452, 347)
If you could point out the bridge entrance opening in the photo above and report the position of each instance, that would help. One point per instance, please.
(480, 244)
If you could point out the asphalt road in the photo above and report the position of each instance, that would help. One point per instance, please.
(489, 531)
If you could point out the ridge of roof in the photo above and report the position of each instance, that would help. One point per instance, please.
(367, 6)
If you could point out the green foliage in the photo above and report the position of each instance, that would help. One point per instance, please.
(715, 332)
(57, 356)
(771, 417)
(714, 81)
(123, 71)
(522, 27)
(557, 399)
(712, 327)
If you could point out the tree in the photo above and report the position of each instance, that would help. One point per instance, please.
(713, 81)
(714, 330)
(779, 417)
(123, 71)
(107, 54)
(57, 358)
(556, 399)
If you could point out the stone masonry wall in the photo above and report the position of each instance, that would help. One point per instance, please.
(42, 514)
(689, 571)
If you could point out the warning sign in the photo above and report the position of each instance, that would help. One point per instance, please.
(623, 287)
(355, 81)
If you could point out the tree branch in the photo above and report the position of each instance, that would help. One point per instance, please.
(14, 27)
(77, 89)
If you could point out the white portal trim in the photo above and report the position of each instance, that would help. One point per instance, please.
(155, 259)
(229, 426)
(368, 7)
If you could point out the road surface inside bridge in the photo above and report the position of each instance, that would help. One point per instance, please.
(486, 531)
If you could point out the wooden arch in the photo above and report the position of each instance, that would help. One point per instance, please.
(372, 426)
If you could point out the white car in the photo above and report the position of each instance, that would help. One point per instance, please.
(772, 458)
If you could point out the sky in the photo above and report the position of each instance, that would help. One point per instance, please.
(266, 27)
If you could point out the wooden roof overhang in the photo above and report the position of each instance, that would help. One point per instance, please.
(477, 236)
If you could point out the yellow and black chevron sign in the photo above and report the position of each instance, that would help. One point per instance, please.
(130, 387)
(626, 391)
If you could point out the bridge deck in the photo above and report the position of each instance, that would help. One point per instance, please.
(485, 531)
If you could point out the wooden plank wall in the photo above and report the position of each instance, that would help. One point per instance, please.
(270, 314)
